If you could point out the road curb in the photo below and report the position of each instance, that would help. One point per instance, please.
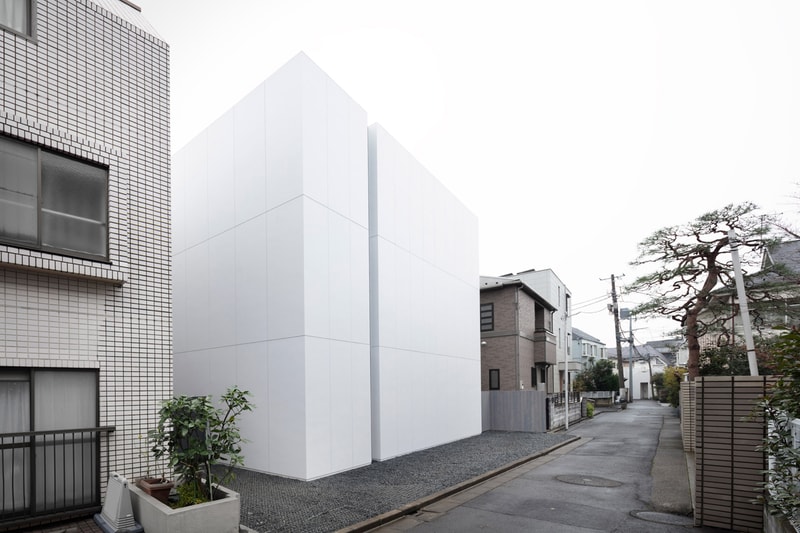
(416, 505)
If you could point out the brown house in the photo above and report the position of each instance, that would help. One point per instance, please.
(517, 341)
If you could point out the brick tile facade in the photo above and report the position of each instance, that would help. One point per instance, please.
(92, 82)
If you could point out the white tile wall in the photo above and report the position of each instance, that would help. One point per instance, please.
(95, 84)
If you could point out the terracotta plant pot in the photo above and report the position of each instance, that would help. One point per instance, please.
(157, 487)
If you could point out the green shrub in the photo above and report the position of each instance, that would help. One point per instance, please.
(590, 409)
(194, 435)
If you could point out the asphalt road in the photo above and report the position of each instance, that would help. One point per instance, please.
(627, 473)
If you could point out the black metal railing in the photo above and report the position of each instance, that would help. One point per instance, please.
(46, 473)
(557, 398)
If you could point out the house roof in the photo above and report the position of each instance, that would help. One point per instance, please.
(784, 253)
(580, 334)
(642, 351)
(489, 283)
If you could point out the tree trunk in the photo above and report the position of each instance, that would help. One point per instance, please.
(693, 364)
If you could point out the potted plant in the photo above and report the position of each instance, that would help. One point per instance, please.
(156, 486)
(194, 435)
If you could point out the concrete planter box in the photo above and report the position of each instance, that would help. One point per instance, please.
(219, 516)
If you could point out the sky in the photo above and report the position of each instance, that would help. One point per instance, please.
(573, 129)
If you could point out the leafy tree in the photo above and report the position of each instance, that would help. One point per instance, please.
(780, 408)
(672, 384)
(729, 360)
(599, 376)
(692, 260)
(658, 386)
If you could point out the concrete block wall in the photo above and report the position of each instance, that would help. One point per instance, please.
(92, 82)
(272, 271)
(425, 340)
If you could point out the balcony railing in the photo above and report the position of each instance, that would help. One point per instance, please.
(49, 473)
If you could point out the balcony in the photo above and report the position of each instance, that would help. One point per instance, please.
(50, 475)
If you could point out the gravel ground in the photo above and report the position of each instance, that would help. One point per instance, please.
(272, 503)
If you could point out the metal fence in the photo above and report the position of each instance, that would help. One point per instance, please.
(49, 473)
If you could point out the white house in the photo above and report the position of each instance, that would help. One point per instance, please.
(315, 265)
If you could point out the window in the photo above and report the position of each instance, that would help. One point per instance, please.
(487, 317)
(17, 15)
(494, 379)
(63, 465)
(52, 202)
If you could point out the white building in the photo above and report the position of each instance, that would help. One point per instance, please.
(303, 272)
(424, 290)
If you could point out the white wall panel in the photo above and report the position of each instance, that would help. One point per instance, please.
(221, 174)
(287, 407)
(251, 280)
(315, 133)
(195, 191)
(249, 160)
(340, 286)
(222, 297)
(252, 372)
(419, 348)
(316, 268)
(191, 373)
(180, 297)
(318, 422)
(178, 203)
(359, 287)
(285, 301)
(283, 152)
(197, 300)
(336, 152)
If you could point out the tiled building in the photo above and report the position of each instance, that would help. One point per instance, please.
(286, 225)
(85, 299)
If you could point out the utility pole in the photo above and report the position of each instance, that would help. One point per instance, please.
(615, 309)
(745, 313)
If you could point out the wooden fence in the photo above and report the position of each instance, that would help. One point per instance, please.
(728, 467)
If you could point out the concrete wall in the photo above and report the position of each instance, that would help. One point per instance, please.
(425, 340)
(93, 84)
(271, 271)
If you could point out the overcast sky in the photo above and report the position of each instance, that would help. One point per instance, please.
(572, 129)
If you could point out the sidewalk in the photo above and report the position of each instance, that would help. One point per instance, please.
(627, 473)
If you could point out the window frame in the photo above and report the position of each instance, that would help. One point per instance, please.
(31, 30)
(38, 245)
(494, 377)
(487, 308)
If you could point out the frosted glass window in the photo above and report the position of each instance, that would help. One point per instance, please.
(74, 205)
(16, 14)
(52, 202)
(18, 210)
